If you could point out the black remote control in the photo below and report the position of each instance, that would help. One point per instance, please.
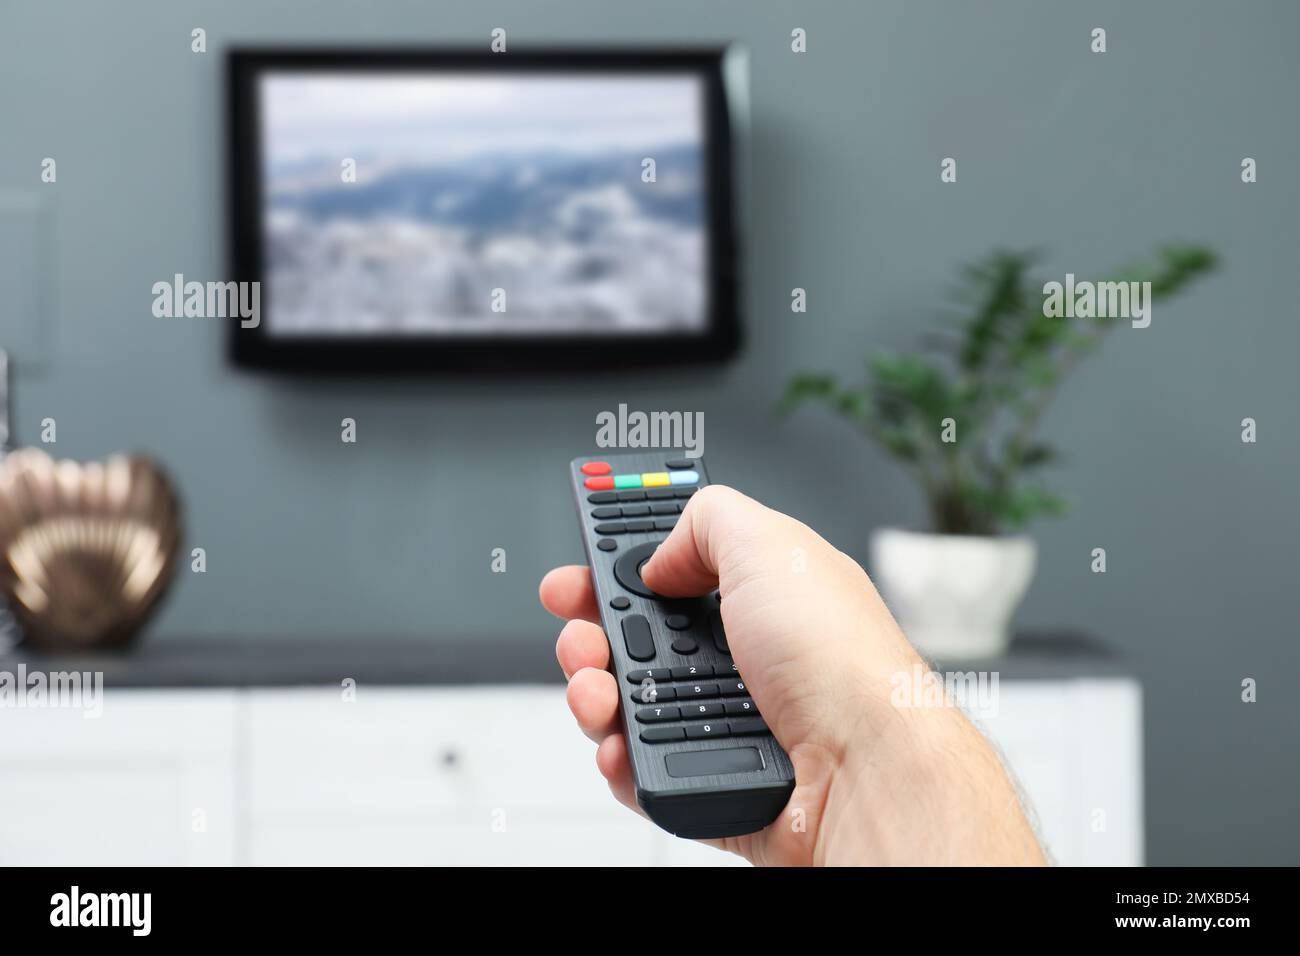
(704, 762)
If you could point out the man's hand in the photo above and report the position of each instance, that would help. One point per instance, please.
(874, 783)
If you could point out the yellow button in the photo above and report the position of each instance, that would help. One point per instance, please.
(654, 479)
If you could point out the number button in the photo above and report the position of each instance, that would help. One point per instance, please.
(690, 671)
(701, 731)
(652, 715)
(650, 674)
(652, 693)
(701, 710)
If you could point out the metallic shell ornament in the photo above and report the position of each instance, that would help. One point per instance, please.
(86, 550)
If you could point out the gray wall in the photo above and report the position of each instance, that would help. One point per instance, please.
(1094, 157)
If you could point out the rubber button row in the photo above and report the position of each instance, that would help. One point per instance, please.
(661, 675)
(638, 511)
(641, 525)
(659, 714)
(661, 693)
(654, 494)
(744, 727)
(665, 693)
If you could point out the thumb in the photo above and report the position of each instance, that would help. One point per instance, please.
(719, 533)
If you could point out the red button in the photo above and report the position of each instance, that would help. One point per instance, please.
(604, 483)
(596, 468)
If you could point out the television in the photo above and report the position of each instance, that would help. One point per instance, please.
(443, 209)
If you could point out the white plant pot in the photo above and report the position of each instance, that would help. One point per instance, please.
(953, 595)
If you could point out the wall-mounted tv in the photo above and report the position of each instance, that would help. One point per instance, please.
(439, 209)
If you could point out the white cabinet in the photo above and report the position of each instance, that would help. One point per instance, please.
(429, 776)
(1075, 748)
(477, 775)
(151, 781)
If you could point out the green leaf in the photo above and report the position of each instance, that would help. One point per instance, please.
(1029, 502)
(995, 509)
(1041, 372)
(852, 404)
(998, 285)
(909, 384)
(806, 387)
(1036, 455)
(900, 443)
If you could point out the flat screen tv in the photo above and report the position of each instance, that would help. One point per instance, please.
(433, 209)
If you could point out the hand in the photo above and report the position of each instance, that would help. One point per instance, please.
(874, 783)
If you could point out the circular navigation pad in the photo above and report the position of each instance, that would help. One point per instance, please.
(627, 569)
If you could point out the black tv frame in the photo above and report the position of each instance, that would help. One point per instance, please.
(724, 119)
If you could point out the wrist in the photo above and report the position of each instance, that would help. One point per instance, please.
(918, 785)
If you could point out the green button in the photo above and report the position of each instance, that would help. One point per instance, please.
(627, 481)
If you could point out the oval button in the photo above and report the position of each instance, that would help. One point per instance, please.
(637, 639)
(596, 468)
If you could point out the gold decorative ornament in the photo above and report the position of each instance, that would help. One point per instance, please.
(86, 550)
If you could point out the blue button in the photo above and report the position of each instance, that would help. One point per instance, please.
(684, 477)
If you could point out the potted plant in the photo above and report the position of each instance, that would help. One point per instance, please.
(962, 415)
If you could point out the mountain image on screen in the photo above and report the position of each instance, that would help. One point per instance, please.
(483, 205)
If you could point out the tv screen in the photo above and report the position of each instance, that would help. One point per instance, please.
(436, 209)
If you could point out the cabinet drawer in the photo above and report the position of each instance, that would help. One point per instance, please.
(196, 723)
(149, 782)
(412, 751)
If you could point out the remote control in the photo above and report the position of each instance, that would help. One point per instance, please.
(704, 762)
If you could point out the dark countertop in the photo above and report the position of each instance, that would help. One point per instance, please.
(177, 662)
